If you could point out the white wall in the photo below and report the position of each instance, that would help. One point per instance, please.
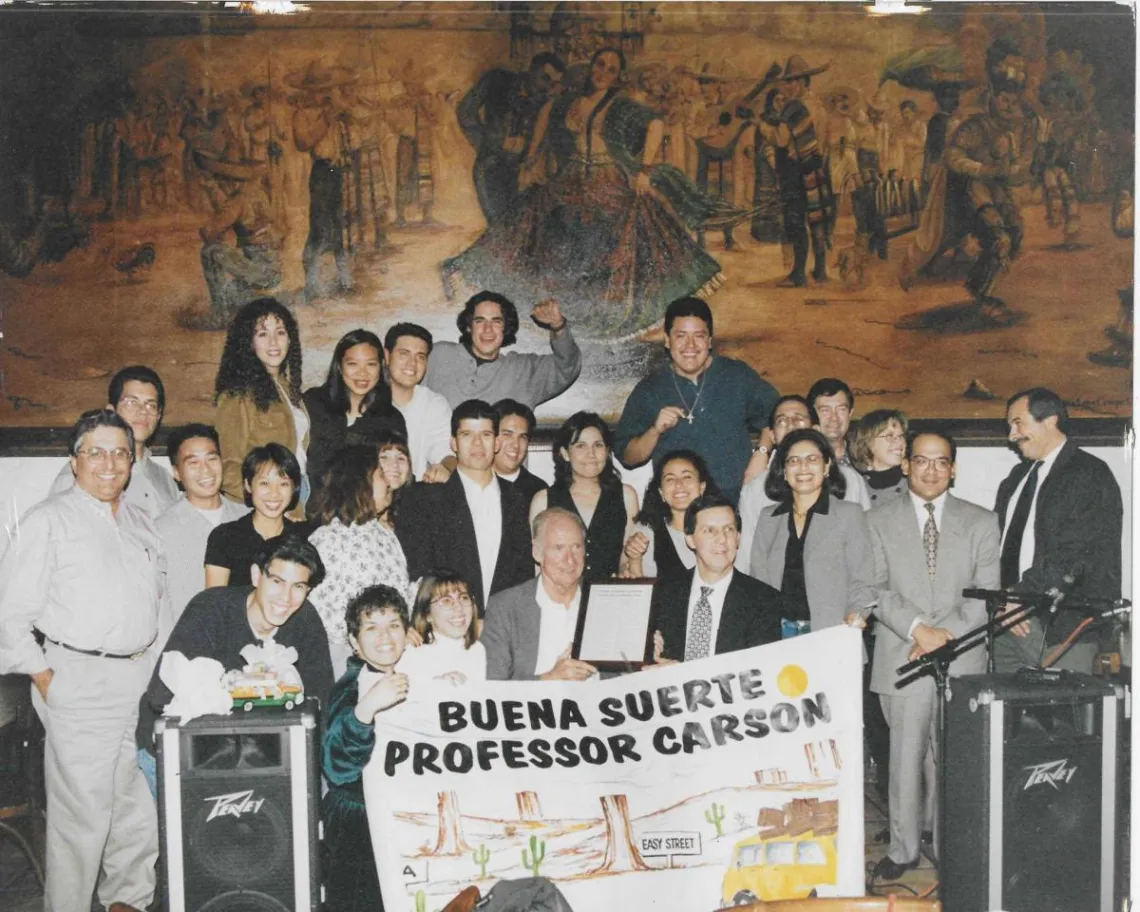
(25, 480)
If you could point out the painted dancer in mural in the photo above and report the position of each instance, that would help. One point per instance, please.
(988, 156)
(805, 188)
(608, 234)
(317, 129)
(237, 273)
(498, 117)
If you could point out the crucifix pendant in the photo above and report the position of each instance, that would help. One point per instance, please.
(689, 417)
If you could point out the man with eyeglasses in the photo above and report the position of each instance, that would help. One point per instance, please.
(136, 393)
(928, 547)
(476, 368)
(80, 591)
(790, 412)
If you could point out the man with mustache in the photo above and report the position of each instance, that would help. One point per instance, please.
(1061, 514)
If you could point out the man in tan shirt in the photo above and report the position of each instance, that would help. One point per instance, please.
(85, 570)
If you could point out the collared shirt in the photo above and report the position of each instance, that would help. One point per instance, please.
(716, 603)
(920, 510)
(486, 507)
(151, 486)
(556, 625)
(184, 530)
(753, 500)
(1028, 540)
(83, 576)
(428, 419)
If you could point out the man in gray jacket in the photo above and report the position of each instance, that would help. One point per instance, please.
(529, 628)
(928, 547)
(476, 368)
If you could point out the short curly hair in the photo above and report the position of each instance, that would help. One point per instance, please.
(373, 599)
(241, 374)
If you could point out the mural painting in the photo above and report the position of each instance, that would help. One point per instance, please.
(935, 207)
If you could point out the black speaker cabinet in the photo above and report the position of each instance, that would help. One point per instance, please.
(1029, 794)
(238, 815)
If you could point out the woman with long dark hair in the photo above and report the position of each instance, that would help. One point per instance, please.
(603, 226)
(657, 546)
(586, 483)
(357, 549)
(395, 460)
(258, 391)
(354, 396)
(811, 545)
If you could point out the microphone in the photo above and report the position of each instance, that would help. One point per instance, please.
(1058, 593)
(1122, 608)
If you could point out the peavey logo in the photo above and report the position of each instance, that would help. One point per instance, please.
(235, 804)
(1052, 773)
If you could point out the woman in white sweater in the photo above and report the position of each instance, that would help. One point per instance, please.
(444, 617)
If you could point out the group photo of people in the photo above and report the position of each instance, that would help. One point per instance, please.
(389, 533)
(377, 338)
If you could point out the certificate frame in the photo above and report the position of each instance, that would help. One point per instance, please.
(608, 650)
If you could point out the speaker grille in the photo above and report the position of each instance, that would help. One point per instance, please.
(252, 849)
(244, 901)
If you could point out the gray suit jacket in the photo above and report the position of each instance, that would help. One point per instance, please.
(969, 554)
(838, 567)
(510, 633)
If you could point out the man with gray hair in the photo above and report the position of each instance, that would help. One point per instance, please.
(80, 586)
(530, 627)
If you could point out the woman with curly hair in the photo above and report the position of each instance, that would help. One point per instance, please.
(586, 483)
(357, 549)
(657, 548)
(353, 404)
(258, 391)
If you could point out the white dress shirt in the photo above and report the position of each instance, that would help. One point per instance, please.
(716, 602)
(428, 419)
(486, 505)
(1028, 540)
(923, 515)
(556, 625)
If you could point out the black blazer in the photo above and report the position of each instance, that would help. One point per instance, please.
(436, 530)
(528, 484)
(750, 616)
(1077, 529)
(329, 430)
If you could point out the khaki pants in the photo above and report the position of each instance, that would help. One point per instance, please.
(100, 814)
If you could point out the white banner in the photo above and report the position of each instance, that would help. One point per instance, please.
(682, 787)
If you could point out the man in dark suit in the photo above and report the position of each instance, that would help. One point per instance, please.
(471, 523)
(1061, 514)
(928, 547)
(713, 608)
(530, 627)
(516, 425)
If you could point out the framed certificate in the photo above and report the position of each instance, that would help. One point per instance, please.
(613, 632)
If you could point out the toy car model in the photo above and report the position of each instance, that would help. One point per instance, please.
(256, 685)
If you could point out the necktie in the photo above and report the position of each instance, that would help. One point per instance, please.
(1015, 529)
(700, 628)
(930, 542)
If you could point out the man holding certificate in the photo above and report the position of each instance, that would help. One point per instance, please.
(530, 627)
(713, 608)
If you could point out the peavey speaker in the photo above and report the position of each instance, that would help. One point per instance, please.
(238, 818)
(1028, 794)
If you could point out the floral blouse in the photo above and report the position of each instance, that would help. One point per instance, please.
(355, 557)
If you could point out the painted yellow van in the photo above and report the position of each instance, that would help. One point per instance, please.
(767, 868)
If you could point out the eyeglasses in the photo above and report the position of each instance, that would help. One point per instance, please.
(131, 404)
(893, 438)
(98, 454)
(453, 601)
(782, 421)
(813, 460)
(941, 464)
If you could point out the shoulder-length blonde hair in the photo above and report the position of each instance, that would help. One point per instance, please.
(867, 429)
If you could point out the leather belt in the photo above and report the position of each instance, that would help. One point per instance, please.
(98, 653)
